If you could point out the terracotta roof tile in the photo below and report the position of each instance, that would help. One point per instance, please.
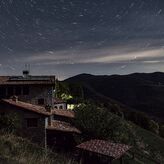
(106, 148)
(63, 112)
(63, 126)
(27, 106)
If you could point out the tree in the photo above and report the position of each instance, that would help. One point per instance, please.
(96, 122)
(61, 88)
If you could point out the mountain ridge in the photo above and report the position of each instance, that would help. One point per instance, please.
(143, 92)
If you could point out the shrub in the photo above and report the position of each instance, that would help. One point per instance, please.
(99, 123)
(9, 122)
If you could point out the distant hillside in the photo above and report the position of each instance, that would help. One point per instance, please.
(141, 91)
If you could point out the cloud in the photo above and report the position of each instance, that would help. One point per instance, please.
(152, 61)
(105, 55)
(130, 56)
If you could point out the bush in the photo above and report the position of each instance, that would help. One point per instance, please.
(99, 123)
(9, 122)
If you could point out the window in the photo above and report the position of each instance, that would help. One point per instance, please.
(25, 90)
(10, 91)
(56, 107)
(61, 107)
(40, 101)
(32, 122)
(18, 91)
(2, 92)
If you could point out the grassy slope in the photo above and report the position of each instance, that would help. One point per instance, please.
(16, 150)
(148, 138)
(155, 142)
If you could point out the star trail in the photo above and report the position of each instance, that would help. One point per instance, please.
(68, 37)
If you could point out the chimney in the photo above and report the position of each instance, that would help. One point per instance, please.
(14, 98)
(48, 108)
(26, 73)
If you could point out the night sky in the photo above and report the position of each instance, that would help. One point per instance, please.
(68, 37)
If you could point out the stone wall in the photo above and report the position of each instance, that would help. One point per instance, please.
(36, 134)
(36, 93)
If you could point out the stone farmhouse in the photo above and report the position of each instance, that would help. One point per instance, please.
(32, 99)
(32, 119)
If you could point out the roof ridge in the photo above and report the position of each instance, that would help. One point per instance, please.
(27, 106)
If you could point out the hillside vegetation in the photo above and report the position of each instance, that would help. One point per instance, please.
(126, 109)
(16, 150)
(140, 91)
(136, 97)
(96, 122)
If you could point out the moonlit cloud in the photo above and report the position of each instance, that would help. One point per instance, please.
(132, 56)
(116, 55)
(152, 61)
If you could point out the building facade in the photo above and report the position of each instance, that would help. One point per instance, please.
(42, 118)
(31, 120)
(36, 90)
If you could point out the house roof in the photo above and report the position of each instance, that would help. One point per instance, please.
(63, 126)
(31, 80)
(27, 106)
(106, 148)
(63, 112)
(58, 101)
